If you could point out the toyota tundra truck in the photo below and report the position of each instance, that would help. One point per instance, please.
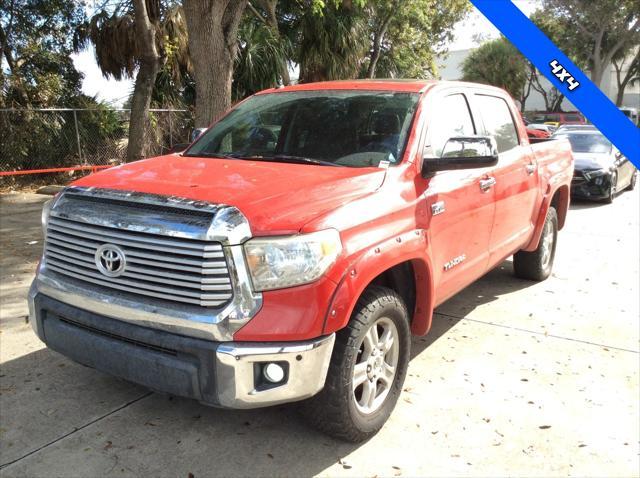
(293, 249)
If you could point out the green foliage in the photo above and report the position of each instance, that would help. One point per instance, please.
(262, 55)
(36, 43)
(330, 45)
(41, 139)
(497, 63)
(565, 38)
(592, 33)
(417, 32)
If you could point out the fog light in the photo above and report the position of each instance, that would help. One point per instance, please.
(273, 372)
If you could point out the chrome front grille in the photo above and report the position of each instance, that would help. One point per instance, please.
(177, 269)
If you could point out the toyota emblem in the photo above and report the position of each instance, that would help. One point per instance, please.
(110, 260)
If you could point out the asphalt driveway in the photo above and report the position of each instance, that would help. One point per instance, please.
(515, 378)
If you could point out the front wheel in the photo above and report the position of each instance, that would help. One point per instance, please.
(367, 370)
(537, 265)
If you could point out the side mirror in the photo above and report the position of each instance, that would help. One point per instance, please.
(463, 152)
(196, 133)
(178, 148)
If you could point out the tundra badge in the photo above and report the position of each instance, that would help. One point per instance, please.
(454, 262)
(437, 208)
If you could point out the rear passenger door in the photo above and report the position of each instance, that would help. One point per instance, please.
(515, 177)
(461, 209)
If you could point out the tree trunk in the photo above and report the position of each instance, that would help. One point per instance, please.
(597, 72)
(375, 55)
(526, 89)
(378, 37)
(16, 80)
(633, 69)
(272, 21)
(619, 97)
(140, 102)
(213, 45)
(557, 103)
(145, 80)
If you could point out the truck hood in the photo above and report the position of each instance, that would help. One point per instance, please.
(276, 198)
(585, 161)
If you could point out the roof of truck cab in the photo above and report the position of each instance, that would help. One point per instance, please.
(398, 85)
(407, 86)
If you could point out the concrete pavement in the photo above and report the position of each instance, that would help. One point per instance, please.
(515, 378)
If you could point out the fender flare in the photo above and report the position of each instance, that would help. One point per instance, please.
(370, 263)
(560, 198)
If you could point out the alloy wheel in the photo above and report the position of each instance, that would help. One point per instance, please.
(546, 244)
(376, 364)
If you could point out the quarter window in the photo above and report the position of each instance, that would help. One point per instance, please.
(498, 122)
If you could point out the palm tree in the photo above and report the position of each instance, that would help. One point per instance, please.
(331, 43)
(262, 57)
(147, 35)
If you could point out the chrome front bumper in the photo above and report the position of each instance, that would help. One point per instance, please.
(307, 363)
(224, 374)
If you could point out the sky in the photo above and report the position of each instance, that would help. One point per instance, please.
(466, 35)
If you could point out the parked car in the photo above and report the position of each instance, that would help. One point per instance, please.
(291, 251)
(569, 117)
(534, 133)
(631, 113)
(549, 129)
(601, 171)
(575, 127)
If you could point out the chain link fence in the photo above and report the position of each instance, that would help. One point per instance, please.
(37, 140)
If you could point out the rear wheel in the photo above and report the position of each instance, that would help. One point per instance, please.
(634, 179)
(367, 370)
(613, 188)
(537, 265)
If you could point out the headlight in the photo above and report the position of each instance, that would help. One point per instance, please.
(46, 211)
(281, 262)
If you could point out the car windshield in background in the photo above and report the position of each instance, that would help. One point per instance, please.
(588, 143)
(341, 128)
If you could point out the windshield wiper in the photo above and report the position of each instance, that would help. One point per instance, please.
(284, 158)
(204, 154)
(287, 158)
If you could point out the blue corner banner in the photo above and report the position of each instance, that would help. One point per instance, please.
(564, 75)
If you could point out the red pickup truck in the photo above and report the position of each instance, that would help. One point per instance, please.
(290, 252)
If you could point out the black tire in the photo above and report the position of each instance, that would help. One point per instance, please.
(536, 265)
(634, 180)
(334, 410)
(613, 188)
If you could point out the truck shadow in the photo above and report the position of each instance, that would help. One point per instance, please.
(579, 204)
(44, 397)
(489, 288)
(55, 411)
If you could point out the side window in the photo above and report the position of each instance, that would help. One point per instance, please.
(498, 121)
(453, 119)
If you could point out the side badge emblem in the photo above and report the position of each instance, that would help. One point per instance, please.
(437, 208)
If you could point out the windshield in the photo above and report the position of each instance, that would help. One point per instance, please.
(588, 143)
(343, 128)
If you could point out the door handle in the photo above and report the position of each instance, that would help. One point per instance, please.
(531, 168)
(488, 183)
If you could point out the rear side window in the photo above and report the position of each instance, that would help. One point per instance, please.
(498, 121)
(453, 119)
